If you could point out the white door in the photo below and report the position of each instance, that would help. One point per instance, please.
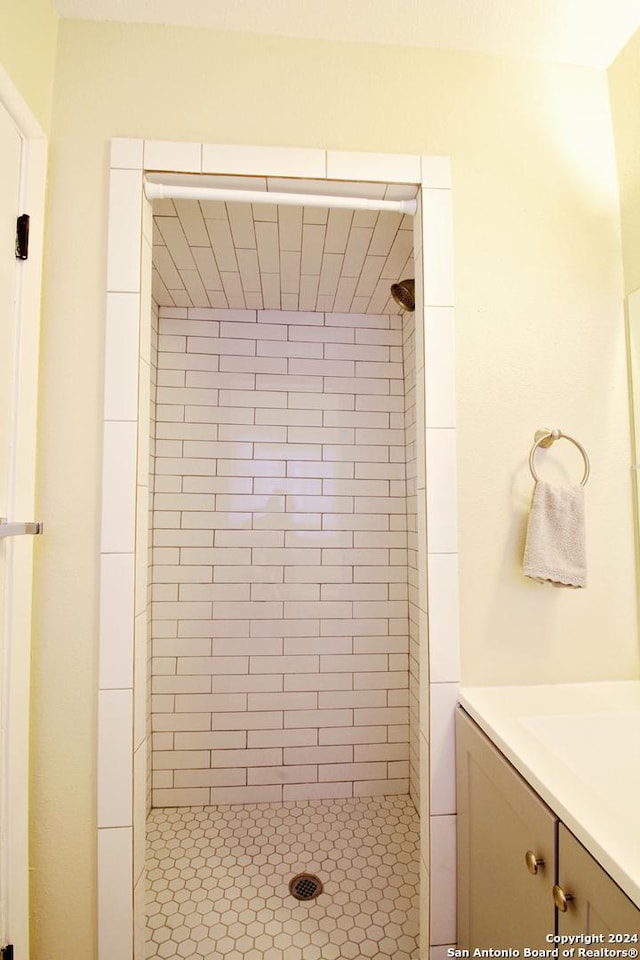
(18, 391)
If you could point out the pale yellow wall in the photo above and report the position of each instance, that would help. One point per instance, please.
(624, 89)
(540, 342)
(28, 34)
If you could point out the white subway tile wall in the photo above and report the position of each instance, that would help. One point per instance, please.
(146, 620)
(410, 400)
(280, 602)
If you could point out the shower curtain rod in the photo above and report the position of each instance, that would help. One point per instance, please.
(165, 191)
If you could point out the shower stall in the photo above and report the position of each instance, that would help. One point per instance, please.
(280, 688)
(284, 496)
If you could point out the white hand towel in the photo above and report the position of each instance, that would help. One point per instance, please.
(555, 548)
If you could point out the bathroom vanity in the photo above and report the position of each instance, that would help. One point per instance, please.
(548, 781)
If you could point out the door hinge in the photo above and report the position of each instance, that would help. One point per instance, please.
(22, 243)
(7, 952)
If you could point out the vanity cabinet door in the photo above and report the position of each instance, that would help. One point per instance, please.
(504, 896)
(597, 903)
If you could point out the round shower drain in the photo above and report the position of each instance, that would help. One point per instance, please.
(305, 886)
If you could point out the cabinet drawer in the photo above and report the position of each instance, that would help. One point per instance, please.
(501, 903)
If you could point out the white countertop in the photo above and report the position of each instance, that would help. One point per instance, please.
(578, 745)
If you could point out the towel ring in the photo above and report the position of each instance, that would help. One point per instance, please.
(544, 438)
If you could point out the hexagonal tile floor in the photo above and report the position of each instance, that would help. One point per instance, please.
(218, 881)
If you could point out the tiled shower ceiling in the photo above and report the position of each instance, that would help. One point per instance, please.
(267, 257)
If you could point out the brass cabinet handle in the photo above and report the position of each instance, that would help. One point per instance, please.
(533, 862)
(561, 899)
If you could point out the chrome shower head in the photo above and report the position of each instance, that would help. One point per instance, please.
(403, 293)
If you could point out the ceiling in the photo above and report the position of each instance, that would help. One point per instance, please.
(586, 32)
(261, 256)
